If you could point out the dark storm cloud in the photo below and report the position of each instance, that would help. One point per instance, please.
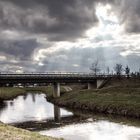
(63, 19)
(12, 66)
(59, 20)
(19, 49)
(128, 12)
(132, 15)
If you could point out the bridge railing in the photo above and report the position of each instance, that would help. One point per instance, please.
(58, 74)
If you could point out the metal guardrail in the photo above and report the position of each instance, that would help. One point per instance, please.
(60, 74)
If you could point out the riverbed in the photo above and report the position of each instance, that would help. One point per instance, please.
(34, 112)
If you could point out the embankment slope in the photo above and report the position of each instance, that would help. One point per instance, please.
(119, 96)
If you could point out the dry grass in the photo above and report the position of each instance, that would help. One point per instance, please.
(12, 133)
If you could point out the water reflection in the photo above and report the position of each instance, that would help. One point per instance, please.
(98, 130)
(30, 107)
(25, 96)
(2, 107)
(33, 98)
(97, 127)
(57, 116)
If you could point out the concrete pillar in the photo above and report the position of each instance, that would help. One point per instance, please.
(100, 83)
(57, 116)
(56, 90)
(91, 85)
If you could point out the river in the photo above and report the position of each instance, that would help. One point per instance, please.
(34, 112)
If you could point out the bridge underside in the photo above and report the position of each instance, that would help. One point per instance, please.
(55, 80)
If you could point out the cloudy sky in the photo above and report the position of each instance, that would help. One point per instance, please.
(68, 35)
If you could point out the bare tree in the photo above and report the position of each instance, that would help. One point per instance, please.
(118, 69)
(108, 70)
(127, 71)
(95, 67)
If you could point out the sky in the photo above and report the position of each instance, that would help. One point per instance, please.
(68, 35)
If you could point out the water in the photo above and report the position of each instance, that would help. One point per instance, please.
(100, 130)
(27, 108)
(32, 111)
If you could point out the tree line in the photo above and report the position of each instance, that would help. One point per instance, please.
(118, 70)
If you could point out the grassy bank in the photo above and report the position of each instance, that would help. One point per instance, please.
(7, 93)
(11, 92)
(12, 133)
(112, 100)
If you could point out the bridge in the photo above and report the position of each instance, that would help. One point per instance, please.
(55, 79)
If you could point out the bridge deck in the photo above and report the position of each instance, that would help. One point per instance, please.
(51, 77)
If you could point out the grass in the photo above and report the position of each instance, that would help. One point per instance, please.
(7, 93)
(12, 133)
(114, 100)
(11, 92)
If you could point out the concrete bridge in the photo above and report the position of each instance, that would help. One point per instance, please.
(55, 79)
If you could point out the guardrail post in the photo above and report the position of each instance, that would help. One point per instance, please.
(56, 90)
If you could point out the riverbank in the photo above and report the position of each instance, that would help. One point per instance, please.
(118, 100)
(12, 133)
(7, 93)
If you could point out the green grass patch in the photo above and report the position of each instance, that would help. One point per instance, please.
(12, 92)
(115, 100)
(7, 93)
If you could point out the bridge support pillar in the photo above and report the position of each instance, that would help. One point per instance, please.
(57, 117)
(91, 85)
(56, 90)
(100, 83)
